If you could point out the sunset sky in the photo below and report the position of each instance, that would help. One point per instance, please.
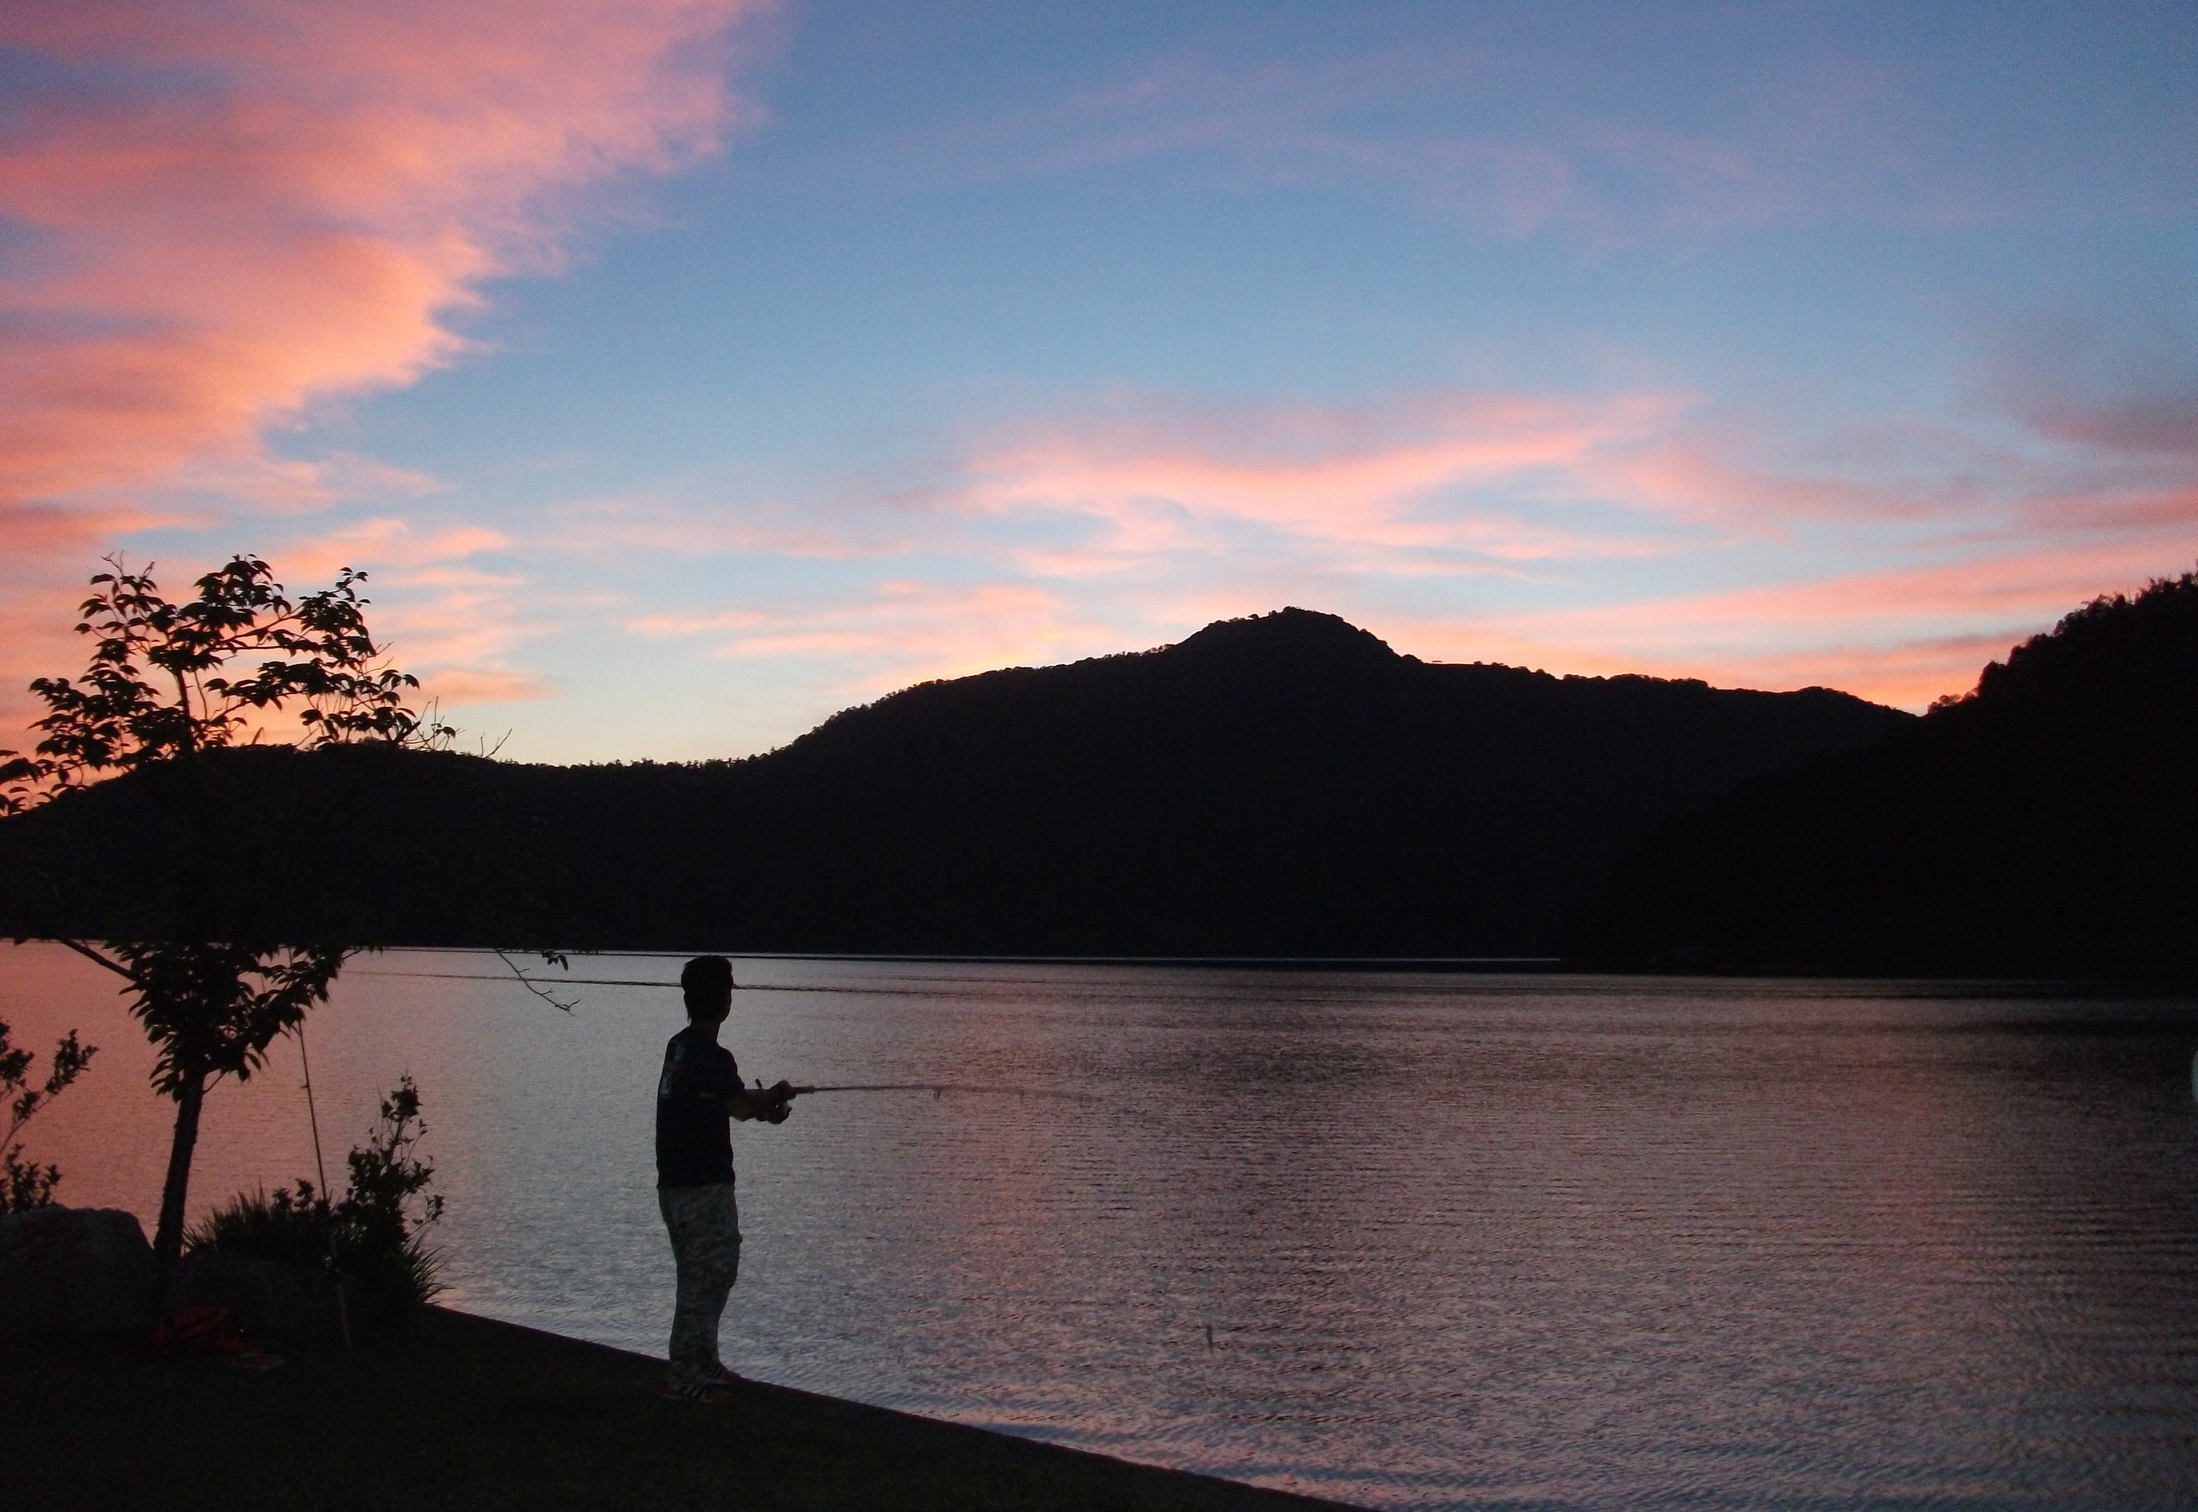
(684, 370)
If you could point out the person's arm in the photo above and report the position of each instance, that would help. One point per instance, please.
(770, 1104)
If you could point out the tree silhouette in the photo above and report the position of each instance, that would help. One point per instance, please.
(168, 682)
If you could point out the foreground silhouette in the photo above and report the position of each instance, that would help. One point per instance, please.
(466, 1414)
(170, 686)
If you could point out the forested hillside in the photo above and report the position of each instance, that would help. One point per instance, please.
(1283, 785)
(2045, 824)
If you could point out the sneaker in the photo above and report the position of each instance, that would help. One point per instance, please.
(710, 1393)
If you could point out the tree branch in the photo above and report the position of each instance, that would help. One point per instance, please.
(90, 954)
(535, 987)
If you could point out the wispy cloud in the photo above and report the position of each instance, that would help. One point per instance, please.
(1411, 485)
(460, 633)
(448, 617)
(901, 632)
(386, 542)
(1449, 483)
(1147, 515)
(1526, 152)
(2120, 379)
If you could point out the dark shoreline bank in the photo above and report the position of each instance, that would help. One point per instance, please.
(463, 1412)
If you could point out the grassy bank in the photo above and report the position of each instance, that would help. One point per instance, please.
(461, 1412)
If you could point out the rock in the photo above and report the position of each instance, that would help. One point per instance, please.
(75, 1270)
(291, 1308)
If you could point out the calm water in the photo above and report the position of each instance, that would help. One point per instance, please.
(1461, 1242)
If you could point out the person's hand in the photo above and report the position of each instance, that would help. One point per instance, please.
(782, 1102)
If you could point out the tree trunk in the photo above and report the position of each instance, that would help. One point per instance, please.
(168, 1238)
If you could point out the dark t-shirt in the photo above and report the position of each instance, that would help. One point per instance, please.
(694, 1140)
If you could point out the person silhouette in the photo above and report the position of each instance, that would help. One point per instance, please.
(698, 1093)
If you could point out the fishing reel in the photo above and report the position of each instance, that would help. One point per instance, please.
(783, 1100)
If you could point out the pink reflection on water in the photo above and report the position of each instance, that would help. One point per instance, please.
(110, 1132)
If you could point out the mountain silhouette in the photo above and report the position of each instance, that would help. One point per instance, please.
(2046, 824)
(1283, 785)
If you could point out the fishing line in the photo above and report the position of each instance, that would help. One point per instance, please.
(320, 1169)
(312, 1114)
(934, 1088)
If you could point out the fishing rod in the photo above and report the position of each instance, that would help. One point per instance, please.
(937, 1089)
(573, 981)
(933, 1088)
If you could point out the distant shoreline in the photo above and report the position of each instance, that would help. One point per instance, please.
(2137, 984)
(2141, 985)
(1279, 963)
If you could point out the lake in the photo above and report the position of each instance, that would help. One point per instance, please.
(1407, 1240)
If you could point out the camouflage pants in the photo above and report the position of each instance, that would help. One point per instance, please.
(704, 1222)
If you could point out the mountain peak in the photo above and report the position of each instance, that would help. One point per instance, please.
(1287, 635)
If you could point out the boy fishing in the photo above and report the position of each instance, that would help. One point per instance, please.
(697, 1096)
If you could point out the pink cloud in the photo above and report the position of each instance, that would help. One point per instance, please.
(287, 485)
(1154, 516)
(2142, 509)
(1506, 484)
(285, 199)
(2159, 423)
(232, 209)
(903, 632)
(2117, 379)
(1701, 473)
(1902, 636)
(1416, 485)
(459, 633)
(1465, 475)
(49, 551)
(479, 685)
(375, 544)
(440, 617)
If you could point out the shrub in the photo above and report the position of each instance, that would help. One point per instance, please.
(372, 1235)
(24, 1183)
